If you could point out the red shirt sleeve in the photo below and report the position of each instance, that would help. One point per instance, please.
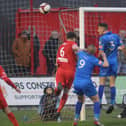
(5, 78)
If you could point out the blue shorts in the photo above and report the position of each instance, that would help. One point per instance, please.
(109, 71)
(84, 87)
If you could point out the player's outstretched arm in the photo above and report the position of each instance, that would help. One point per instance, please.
(76, 48)
(105, 61)
(9, 82)
(100, 53)
(18, 90)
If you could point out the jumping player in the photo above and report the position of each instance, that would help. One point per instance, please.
(66, 65)
(83, 84)
(3, 103)
(109, 43)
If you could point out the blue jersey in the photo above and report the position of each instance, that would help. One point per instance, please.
(85, 65)
(109, 43)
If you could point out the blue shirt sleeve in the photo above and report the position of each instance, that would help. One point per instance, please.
(101, 44)
(97, 62)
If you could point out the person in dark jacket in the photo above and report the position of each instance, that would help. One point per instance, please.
(76, 31)
(36, 47)
(48, 104)
(50, 51)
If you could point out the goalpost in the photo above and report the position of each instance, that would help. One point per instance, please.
(89, 17)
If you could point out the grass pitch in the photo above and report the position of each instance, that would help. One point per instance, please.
(30, 118)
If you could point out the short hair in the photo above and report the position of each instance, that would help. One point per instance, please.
(103, 25)
(91, 48)
(71, 35)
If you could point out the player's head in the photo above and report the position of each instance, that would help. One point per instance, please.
(54, 34)
(91, 49)
(102, 27)
(71, 36)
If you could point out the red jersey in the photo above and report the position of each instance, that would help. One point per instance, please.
(66, 58)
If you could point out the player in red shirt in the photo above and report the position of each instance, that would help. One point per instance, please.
(3, 103)
(66, 65)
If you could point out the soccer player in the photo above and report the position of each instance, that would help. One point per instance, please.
(66, 65)
(3, 103)
(83, 84)
(109, 43)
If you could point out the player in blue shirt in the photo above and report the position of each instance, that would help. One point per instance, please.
(109, 43)
(83, 84)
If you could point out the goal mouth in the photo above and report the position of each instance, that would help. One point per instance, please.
(89, 17)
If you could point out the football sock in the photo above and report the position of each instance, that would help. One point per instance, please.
(113, 95)
(78, 109)
(96, 110)
(62, 102)
(100, 92)
(12, 119)
(57, 92)
(58, 89)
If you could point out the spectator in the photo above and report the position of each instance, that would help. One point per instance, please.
(36, 47)
(76, 31)
(36, 52)
(21, 49)
(121, 56)
(48, 104)
(50, 51)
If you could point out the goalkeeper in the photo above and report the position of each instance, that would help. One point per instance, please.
(83, 84)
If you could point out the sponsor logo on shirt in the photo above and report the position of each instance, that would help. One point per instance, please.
(60, 59)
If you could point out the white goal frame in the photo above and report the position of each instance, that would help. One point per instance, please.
(82, 11)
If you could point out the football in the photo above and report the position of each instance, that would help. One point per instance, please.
(44, 8)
